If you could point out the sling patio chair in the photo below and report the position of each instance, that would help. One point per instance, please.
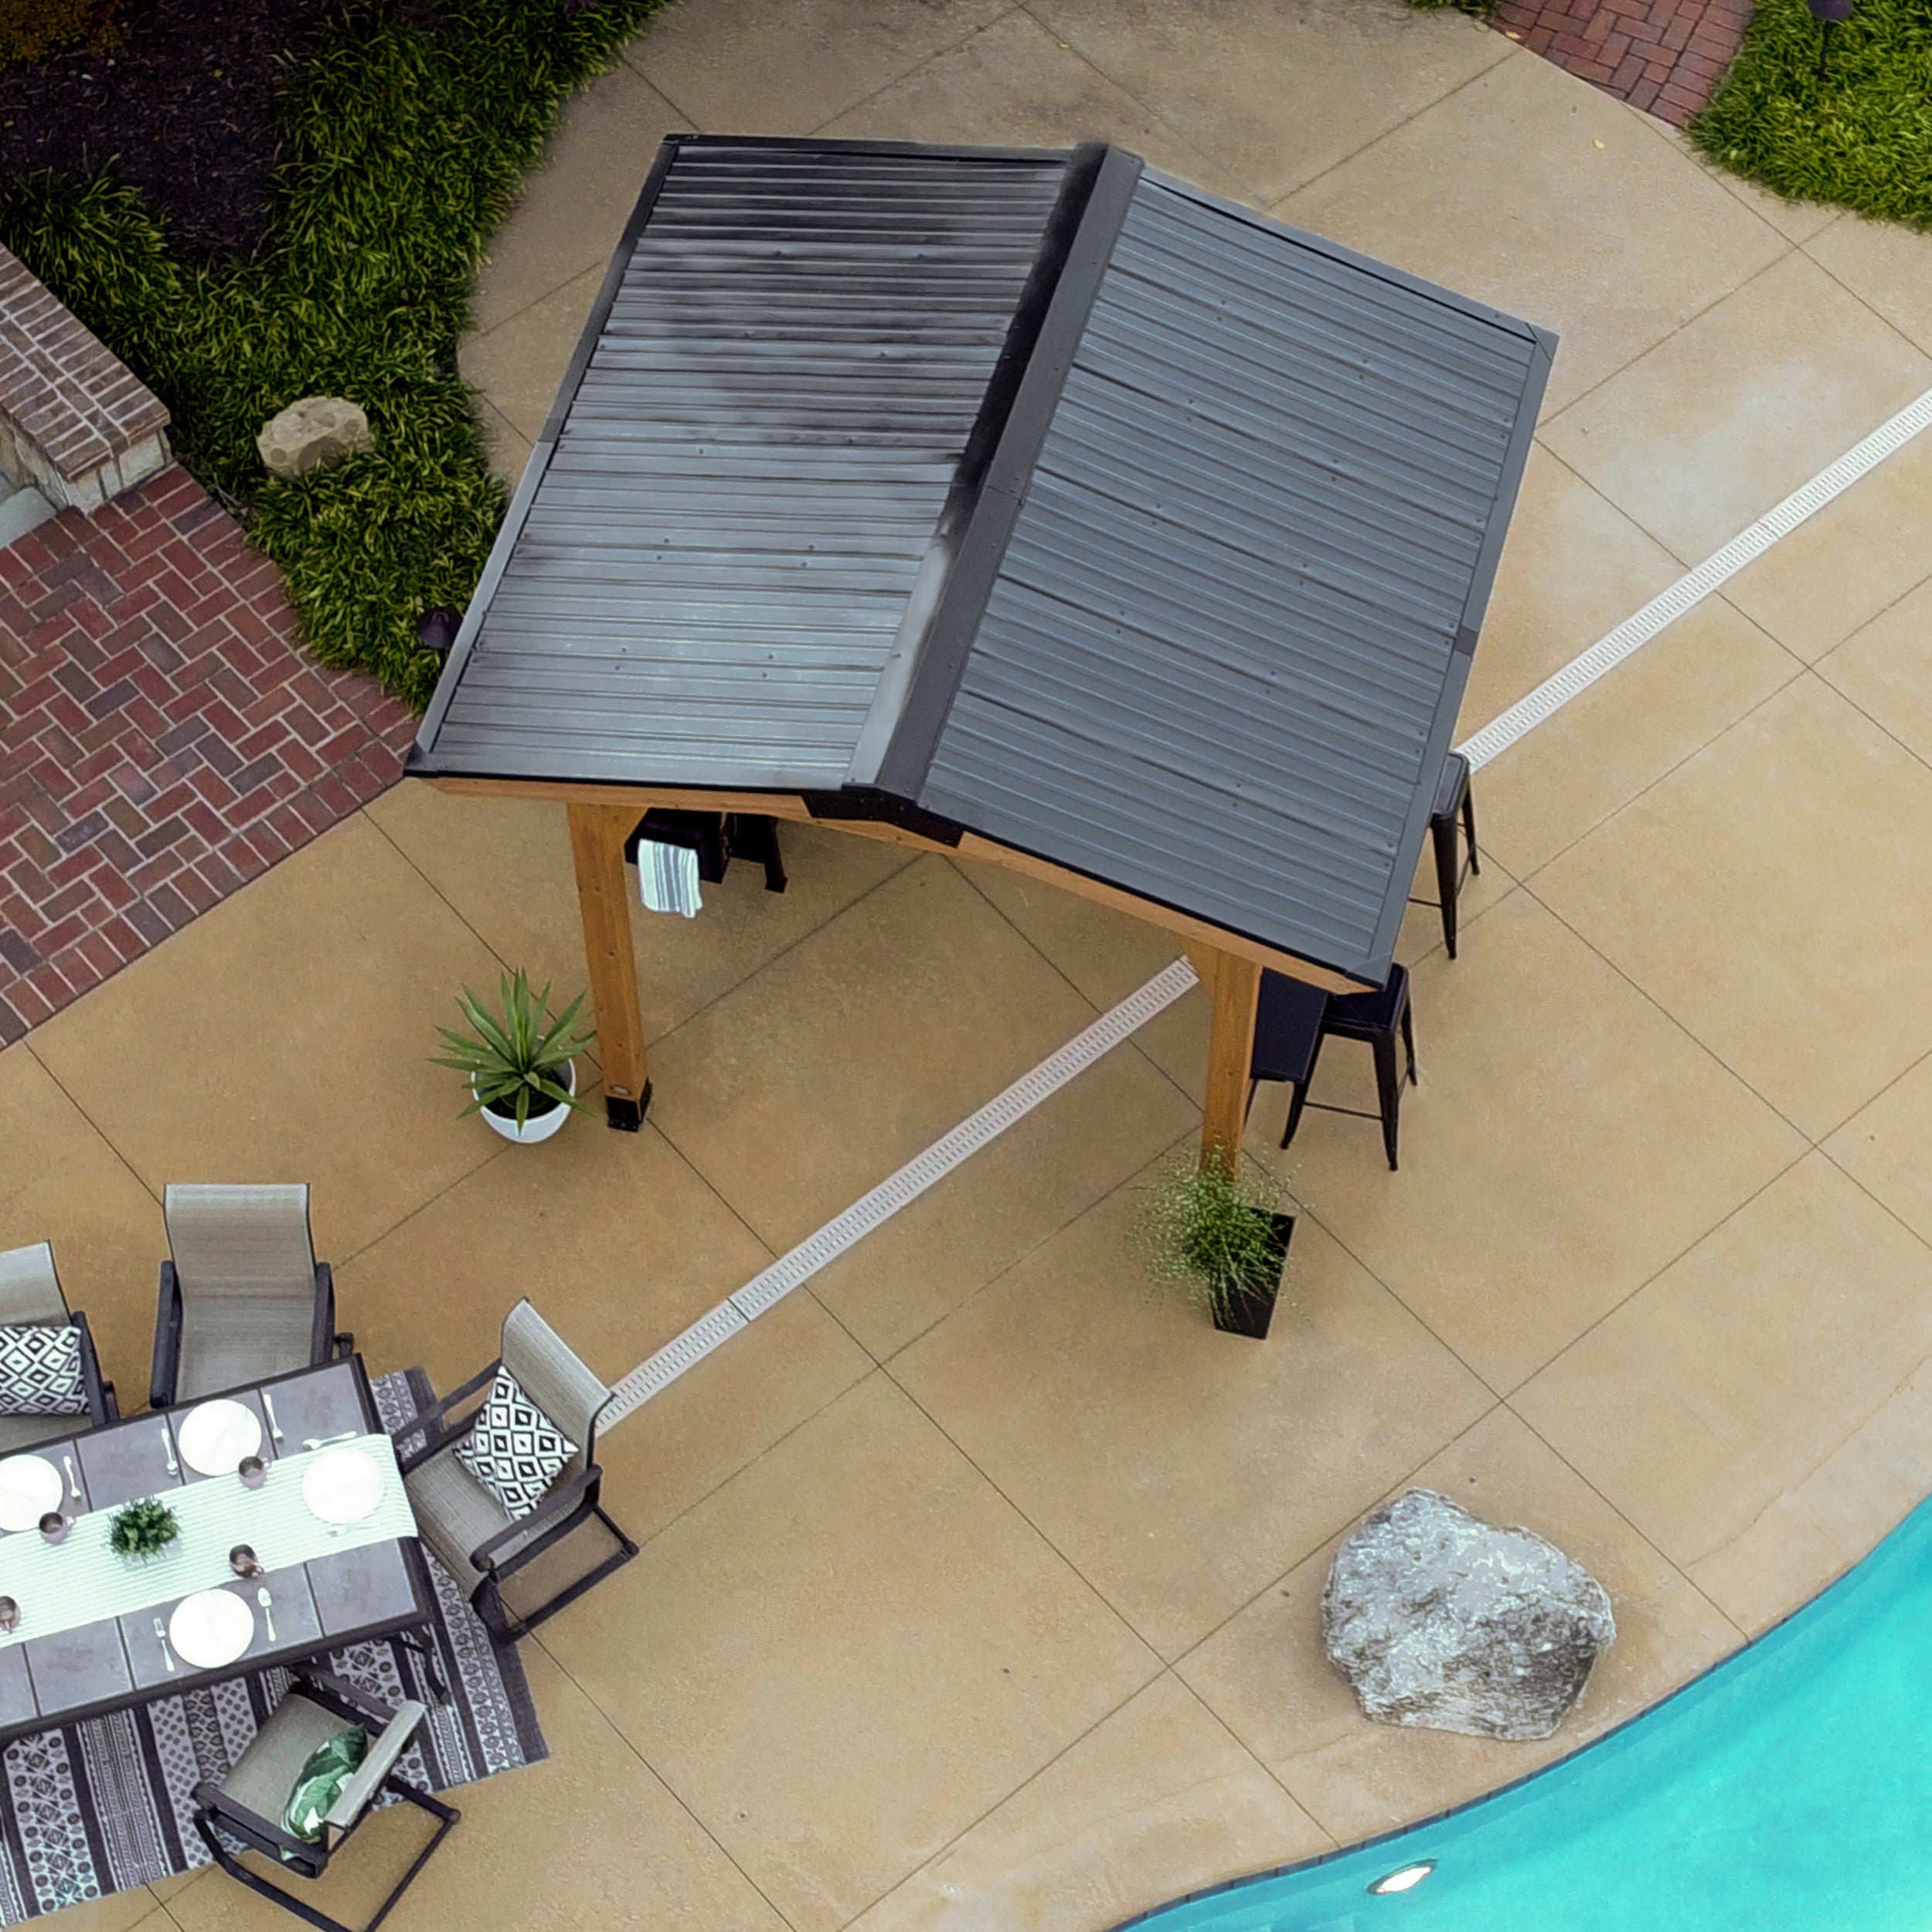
(245, 1805)
(30, 1297)
(244, 1298)
(481, 1540)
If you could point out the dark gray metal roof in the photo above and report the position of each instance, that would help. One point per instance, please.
(1035, 494)
(741, 480)
(1225, 645)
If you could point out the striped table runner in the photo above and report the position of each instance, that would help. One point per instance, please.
(82, 1581)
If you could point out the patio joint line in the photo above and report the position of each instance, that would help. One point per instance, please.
(898, 1190)
(1691, 588)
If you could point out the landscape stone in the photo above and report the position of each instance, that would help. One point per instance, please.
(1442, 1621)
(317, 429)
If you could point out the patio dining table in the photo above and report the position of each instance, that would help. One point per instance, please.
(92, 1632)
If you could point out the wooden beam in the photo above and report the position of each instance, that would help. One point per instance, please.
(597, 833)
(1235, 988)
(637, 800)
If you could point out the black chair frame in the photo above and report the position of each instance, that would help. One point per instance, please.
(562, 1509)
(306, 1861)
(1451, 868)
(103, 1405)
(324, 1344)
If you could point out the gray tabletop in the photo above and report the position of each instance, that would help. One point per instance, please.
(314, 1606)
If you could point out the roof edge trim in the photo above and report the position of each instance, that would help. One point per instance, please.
(1016, 425)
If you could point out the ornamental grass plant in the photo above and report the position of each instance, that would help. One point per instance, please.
(1861, 135)
(1207, 1227)
(401, 150)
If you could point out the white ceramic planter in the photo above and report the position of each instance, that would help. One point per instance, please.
(539, 1127)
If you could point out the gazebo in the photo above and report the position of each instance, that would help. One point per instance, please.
(1027, 506)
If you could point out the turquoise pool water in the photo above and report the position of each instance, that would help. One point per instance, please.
(1789, 1789)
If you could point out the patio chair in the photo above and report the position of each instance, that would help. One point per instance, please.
(479, 1542)
(245, 1805)
(244, 1298)
(30, 1297)
(1453, 799)
(1291, 1020)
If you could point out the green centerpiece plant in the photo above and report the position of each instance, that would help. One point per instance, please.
(1221, 1235)
(517, 1060)
(143, 1528)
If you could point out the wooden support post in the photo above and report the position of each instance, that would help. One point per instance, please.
(1234, 985)
(597, 833)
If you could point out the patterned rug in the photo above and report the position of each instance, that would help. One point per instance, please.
(108, 1805)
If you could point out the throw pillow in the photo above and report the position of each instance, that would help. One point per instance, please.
(40, 1371)
(319, 1782)
(515, 1450)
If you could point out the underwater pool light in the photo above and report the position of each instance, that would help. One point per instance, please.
(1409, 1876)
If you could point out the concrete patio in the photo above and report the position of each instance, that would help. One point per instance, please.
(979, 1578)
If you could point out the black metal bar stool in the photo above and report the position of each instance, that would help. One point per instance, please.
(717, 838)
(1452, 799)
(1292, 1018)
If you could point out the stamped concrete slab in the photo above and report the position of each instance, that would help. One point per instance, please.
(1453, 195)
(520, 364)
(1177, 1467)
(1697, 438)
(570, 213)
(1012, 84)
(1724, 1382)
(1765, 890)
(1567, 1140)
(1265, 1675)
(1275, 94)
(62, 1183)
(1885, 667)
(1157, 1800)
(847, 1655)
(1885, 264)
(1882, 1147)
(789, 66)
(313, 1064)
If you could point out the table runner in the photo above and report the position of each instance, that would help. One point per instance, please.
(62, 1586)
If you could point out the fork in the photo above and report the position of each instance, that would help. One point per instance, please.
(268, 1405)
(167, 1655)
(73, 1482)
(323, 1442)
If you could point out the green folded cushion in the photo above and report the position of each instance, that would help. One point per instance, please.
(319, 1782)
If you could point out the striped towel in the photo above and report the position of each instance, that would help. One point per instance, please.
(667, 878)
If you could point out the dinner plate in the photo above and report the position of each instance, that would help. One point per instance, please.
(343, 1484)
(29, 1487)
(211, 1628)
(214, 1436)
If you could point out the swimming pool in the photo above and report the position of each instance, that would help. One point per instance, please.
(1788, 1789)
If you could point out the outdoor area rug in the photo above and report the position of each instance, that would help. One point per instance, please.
(108, 1805)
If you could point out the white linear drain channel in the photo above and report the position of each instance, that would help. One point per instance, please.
(1166, 987)
(897, 1190)
(1695, 585)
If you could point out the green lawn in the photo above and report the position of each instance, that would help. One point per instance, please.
(401, 154)
(1862, 136)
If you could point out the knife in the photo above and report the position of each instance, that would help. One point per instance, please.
(323, 1442)
(166, 1653)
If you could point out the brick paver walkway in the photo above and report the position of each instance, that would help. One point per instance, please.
(1664, 55)
(162, 740)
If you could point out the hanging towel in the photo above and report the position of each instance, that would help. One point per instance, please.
(667, 878)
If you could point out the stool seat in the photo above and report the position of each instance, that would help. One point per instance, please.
(1287, 1029)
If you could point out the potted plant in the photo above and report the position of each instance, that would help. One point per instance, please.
(1223, 1237)
(522, 1080)
(142, 1529)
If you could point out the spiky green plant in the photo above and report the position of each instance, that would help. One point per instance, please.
(1861, 134)
(512, 1059)
(142, 1529)
(400, 152)
(1206, 1226)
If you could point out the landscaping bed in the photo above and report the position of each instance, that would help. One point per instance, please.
(1861, 136)
(393, 149)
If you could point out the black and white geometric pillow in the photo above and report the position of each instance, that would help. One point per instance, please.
(40, 1371)
(515, 1450)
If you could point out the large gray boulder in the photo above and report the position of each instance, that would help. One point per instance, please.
(317, 429)
(1440, 1620)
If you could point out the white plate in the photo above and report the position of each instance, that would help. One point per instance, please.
(343, 1484)
(211, 1628)
(214, 1437)
(29, 1487)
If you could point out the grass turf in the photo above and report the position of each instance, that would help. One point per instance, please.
(1861, 137)
(400, 154)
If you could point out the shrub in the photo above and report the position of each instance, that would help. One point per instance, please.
(400, 154)
(1207, 1227)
